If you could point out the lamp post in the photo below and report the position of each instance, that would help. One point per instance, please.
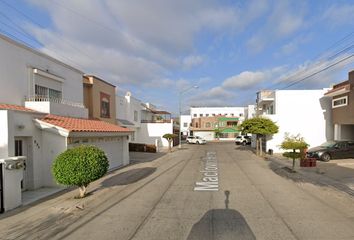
(180, 113)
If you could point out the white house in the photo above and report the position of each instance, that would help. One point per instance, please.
(148, 123)
(186, 121)
(304, 112)
(42, 114)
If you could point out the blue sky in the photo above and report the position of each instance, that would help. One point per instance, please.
(158, 48)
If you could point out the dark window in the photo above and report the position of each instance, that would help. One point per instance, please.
(18, 147)
(105, 105)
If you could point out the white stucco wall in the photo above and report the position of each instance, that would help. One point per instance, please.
(53, 144)
(16, 64)
(185, 119)
(61, 109)
(236, 111)
(3, 134)
(149, 132)
(303, 112)
(12, 188)
(125, 107)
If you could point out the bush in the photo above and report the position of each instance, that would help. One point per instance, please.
(80, 166)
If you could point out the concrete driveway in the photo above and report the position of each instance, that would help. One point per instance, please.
(158, 200)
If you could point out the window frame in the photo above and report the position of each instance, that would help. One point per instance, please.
(339, 99)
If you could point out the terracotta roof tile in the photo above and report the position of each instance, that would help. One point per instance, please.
(15, 107)
(82, 124)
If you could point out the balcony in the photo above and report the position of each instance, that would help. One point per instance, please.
(57, 106)
(156, 121)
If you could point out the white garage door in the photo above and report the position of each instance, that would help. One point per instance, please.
(112, 148)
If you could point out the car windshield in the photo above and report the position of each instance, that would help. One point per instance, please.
(198, 137)
(328, 144)
(238, 137)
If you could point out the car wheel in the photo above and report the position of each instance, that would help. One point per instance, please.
(198, 142)
(325, 157)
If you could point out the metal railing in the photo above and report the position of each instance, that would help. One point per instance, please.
(38, 98)
(156, 121)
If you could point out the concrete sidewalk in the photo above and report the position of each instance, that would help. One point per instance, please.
(338, 174)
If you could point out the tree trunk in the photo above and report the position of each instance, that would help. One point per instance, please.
(294, 160)
(260, 146)
(82, 190)
(169, 145)
(257, 145)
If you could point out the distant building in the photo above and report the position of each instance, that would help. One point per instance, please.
(197, 112)
(148, 123)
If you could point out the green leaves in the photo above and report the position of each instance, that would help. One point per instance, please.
(293, 142)
(259, 125)
(169, 136)
(80, 166)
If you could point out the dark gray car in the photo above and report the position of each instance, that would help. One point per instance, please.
(332, 150)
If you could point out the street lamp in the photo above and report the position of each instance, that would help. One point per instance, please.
(180, 113)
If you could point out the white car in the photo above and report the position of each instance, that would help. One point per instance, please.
(244, 140)
(196, 140)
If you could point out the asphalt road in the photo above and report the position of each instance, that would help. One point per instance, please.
(251, 200)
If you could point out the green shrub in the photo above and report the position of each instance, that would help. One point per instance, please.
(80, 166)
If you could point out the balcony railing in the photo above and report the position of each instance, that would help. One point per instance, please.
(53, 100)
(156, 121)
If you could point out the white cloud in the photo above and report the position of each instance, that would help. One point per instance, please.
(285, 19)
(249, 79)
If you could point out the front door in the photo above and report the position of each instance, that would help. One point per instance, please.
(21, 150)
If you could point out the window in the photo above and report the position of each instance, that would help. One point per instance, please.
(18, 147)
(232, 114)
(185, 124)
(213, 114)
(135, 116)
(194, 115)
(340, 102)
(105, 105)
(207, 115)
(201, 115)
(207, 125)
(45, 92)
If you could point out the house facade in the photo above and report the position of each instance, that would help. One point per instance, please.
(99, 99)
(341, 97)
(217, 111)
(148, 123)
(218, 127)
(42, 113)
(304, 112)
(186, 121)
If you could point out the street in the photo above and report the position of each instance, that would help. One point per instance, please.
(181, 195)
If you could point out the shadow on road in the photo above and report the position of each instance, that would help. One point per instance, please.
(221, 224)
(141, 157)
(128, 177)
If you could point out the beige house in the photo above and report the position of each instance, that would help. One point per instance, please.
(99, 99)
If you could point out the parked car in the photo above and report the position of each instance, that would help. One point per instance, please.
(332, 150)
(196, 140)
(244, 140)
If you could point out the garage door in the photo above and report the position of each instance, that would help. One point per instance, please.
(114, 152)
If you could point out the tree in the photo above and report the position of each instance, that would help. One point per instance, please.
(80, 166)
(169, 137)
(295, 143)
(260, 126)
(217, 133)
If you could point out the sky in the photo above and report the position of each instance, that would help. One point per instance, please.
(160, 49)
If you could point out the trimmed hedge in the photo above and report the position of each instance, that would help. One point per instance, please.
(80, 166)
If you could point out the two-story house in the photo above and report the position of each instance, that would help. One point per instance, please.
(342, 108)
(42, 113)
(148, 123)
(304, 112)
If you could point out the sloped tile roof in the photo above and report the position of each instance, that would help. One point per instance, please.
(82, 124)
(345, 87)
(15, 107)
